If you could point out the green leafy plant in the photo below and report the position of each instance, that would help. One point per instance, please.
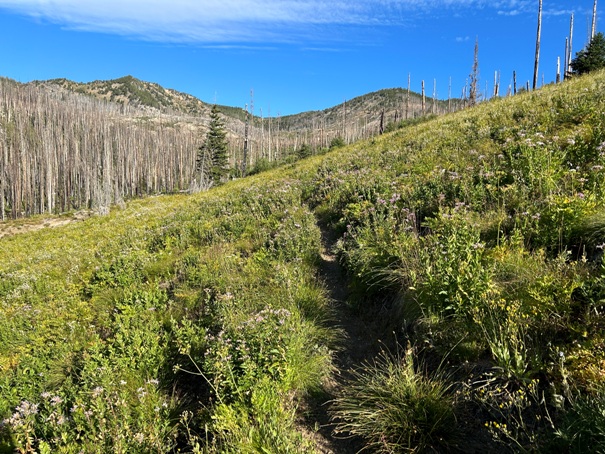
(582, 428)
(456, 277)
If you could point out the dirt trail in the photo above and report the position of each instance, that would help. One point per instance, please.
(12, 227)
(358, 344)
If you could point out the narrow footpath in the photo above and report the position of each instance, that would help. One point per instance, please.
(357, 344)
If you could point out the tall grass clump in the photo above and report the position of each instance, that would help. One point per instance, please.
(395, 408)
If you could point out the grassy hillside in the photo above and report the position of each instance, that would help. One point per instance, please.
(130, 90)
(473, 245)
(365, 111)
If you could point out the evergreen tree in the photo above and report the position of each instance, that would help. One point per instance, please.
(590, 58)
(337, 142)
(212, 159)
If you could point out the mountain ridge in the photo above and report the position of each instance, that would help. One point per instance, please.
(131, 90)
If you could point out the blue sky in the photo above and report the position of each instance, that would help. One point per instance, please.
(296, 55)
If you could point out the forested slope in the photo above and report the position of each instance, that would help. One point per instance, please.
(61, 151)
(70, 146)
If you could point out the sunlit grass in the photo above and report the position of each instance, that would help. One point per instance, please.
(483, 226)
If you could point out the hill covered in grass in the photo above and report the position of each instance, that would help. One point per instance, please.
(355, 118)
(473, 247)
(130, 90)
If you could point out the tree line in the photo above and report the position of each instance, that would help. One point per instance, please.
(61, 151)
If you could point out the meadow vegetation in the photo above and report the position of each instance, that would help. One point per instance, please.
(201, 324)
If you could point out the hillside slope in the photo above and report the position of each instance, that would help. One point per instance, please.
(472, 242)
(129, 90)
(67, 145)
(353, 119)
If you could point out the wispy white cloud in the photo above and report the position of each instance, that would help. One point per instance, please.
(323, 49)
(511, 12)
(207, 21)
(518, 7)
(558, 12)
(235, 21)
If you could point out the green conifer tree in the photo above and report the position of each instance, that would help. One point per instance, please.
(590, 58)
(214, 149)
(304, 151)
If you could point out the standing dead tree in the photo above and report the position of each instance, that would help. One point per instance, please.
(537, 58)
(449, 96)
(407, 100)
(594, 20)
(344, 120)
(496, 83)
(433, 111)
(473, 96)
(246, 131)
(570, 52)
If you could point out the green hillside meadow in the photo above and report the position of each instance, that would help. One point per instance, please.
(472, 243)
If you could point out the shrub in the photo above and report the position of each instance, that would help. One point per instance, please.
(455, 277)
(304, 151)
(261, 165)
(336, 142)
(262, 425)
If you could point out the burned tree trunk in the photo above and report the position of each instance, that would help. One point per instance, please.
(594, 20)
(407, 102)
(423, 99)
(537, 58)
(474, 77)
(570, 52)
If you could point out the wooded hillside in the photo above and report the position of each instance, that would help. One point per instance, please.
(66, 145)
(63, 151)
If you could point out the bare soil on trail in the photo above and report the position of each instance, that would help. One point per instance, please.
(358, 344)
(15, 227)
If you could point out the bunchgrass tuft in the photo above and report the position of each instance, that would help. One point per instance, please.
(396, 408)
